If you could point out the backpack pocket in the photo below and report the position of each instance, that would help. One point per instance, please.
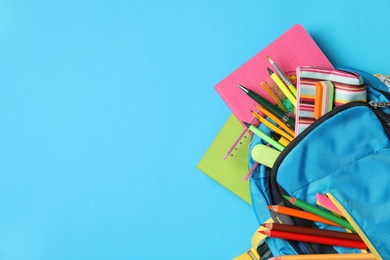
(347, 155)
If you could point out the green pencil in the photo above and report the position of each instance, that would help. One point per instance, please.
(322, 213)
(264, 136)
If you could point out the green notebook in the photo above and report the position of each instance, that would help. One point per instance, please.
(230, 172)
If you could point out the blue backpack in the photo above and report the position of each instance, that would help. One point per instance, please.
(345, 153)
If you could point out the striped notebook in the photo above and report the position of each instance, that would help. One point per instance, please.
(348, 87)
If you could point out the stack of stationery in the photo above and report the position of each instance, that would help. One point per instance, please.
(261, 90)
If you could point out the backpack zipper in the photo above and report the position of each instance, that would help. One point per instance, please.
(375, 104)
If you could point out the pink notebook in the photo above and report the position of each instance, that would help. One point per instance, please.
(293, 48)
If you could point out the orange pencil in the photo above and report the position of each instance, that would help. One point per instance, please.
(272, 126)
(277, 120)
(300, 214)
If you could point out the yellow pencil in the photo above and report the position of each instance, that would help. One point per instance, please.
(277, 120)
(283, 87)
(272, 126)
(283, 77)
(353, 256)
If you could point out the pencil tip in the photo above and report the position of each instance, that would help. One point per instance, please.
(265, 232)
(246, 124)
(267, 225)
(269, 59)
(273, 208)
(270, 71)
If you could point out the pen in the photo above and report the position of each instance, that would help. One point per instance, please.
(264, 136)
(269, 106)
(283, 76)
(283, 87)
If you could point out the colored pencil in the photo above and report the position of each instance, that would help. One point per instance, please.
(352, 256)
(326, 203)
(264, 136)
(277, 120)
(312, 231)
(283, 77)
(320, 212)
(272, 126)
(283, 87)
(314, 239)
(301, 214)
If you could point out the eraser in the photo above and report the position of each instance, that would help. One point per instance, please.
(323, 102)
(264, 155)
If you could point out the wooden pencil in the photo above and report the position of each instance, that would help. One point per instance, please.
(320, 212)
(301, 214)
(272, 126)
(314, 239)
(277, 120)
(351, 256)
(312, 231)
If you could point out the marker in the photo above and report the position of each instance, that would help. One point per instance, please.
(283, 76)
(283, 87)
(269, 106)
(264, 136)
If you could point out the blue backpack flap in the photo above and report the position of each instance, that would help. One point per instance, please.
(346, 153)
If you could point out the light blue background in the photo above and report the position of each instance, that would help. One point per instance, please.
(106, 107)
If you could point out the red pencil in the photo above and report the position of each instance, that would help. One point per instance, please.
(315, 239)
(312, 231)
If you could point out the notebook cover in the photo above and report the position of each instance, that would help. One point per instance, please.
(293, 48)
(230, 172)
